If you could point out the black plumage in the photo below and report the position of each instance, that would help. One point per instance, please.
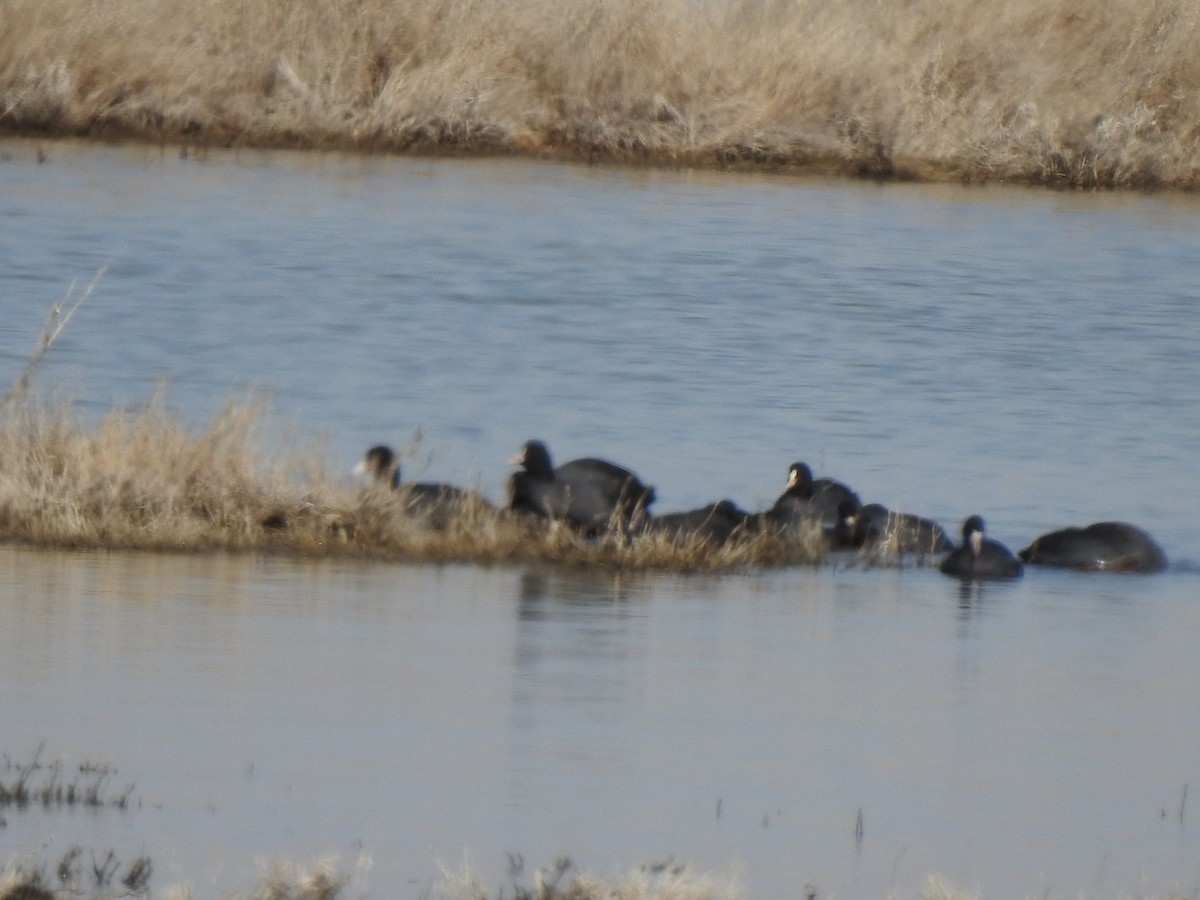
(980, 558)
(1102, 546)
(433, 503)
(806, 500)
(589, 493)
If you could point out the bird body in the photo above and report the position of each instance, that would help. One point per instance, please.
(718, 522)
(876, 525)
(1102, 546)
(979, 558)
(806, 501)
(589, 493)
(433, 503)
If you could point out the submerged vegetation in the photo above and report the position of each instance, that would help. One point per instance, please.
(79, 873)
(104, 879)
(1063, 94)
(101, 877)
(49, 785)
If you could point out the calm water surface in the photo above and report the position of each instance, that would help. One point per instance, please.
(1027, 355)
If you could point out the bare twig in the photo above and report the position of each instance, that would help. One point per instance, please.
(56, 321)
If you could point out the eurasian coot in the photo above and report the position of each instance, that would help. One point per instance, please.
(1103, 546)
(805, 500)
(590, 494)
(434, 503)
(979, 557)
(717, 522)
(877, 526)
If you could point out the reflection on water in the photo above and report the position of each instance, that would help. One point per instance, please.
(1031, 357)
(1013, 737)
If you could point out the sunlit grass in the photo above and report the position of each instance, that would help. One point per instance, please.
(564, 881)
(1065, 93)
(143, 479)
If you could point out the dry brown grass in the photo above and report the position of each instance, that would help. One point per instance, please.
(563, 881)
(1070, 93)
(142, 479)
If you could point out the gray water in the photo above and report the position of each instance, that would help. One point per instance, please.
(1030, 356)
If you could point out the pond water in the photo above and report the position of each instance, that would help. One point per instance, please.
(1026, 355)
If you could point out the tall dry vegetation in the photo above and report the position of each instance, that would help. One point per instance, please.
(143, 479)
(1073, 92)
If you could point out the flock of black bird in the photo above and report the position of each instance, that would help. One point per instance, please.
(593, 496)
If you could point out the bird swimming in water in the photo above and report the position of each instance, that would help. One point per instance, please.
(1100, 547)
(876, 526)
(980, 558)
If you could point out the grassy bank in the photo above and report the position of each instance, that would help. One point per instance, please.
(1071, 93)
(142, 479)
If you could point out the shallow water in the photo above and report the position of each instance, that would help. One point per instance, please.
(1027, 355)
(1037, 735)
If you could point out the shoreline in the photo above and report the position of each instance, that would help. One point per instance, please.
(778, 163)
(949, 92)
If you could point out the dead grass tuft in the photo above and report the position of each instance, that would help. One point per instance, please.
(143, 480)
(85, 875)
(563, 881)
(288, 881)
(1061, 94)
(78, 875)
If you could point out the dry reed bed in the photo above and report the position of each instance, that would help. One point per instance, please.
(141, 479)
(1069, 93)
